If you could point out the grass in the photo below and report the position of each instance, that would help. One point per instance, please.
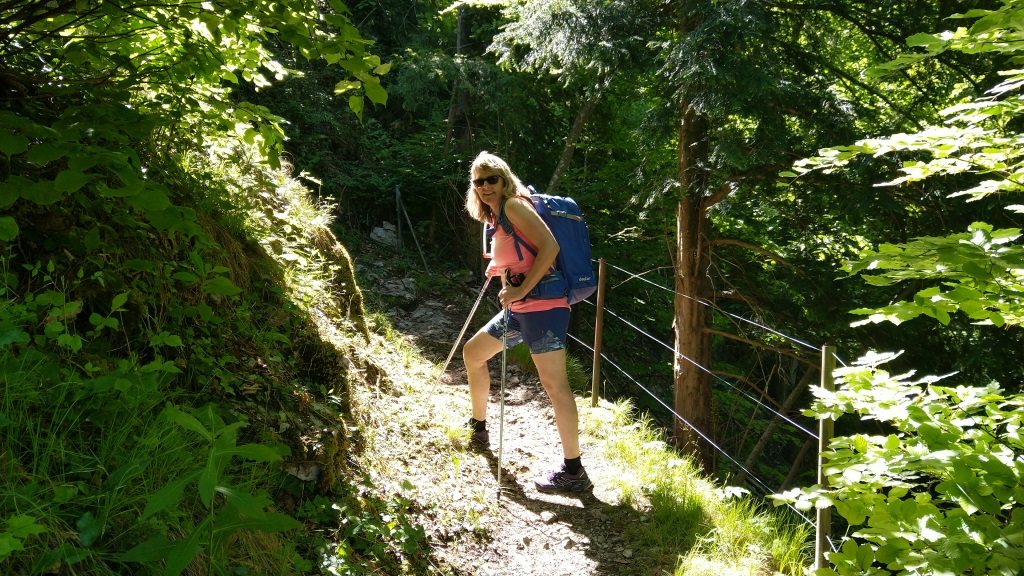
(708, 528)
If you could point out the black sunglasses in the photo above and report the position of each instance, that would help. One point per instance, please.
(493, 179)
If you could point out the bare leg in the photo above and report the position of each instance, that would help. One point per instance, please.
(480, 348)
(551, 367)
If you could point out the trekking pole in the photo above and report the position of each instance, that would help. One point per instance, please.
(501, 401)
(455, 346)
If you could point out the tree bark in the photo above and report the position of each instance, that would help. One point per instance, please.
(694, 290)
(578, 124)
(458, 111)
(460, 100)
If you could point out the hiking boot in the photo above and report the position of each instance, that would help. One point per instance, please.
(480, 440)
(562, 481)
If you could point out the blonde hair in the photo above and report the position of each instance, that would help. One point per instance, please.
(490, 165)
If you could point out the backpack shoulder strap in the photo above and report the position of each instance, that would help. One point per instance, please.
(503, 220)
(509, 229)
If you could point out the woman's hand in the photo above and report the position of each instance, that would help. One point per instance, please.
(510, 294)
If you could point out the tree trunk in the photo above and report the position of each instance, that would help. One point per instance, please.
(458, 111)
(570, 144)
(460, 100)
(693, 291)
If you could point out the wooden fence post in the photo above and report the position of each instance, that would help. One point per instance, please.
(595, 374)
(825, 431)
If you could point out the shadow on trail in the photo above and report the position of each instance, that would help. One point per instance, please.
(593, 524)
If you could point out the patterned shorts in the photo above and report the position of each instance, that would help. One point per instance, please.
(543, 331)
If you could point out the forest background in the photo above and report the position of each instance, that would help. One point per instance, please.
(588, 100)
(678, 126)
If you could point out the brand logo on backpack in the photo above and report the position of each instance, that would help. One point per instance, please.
(572, 277)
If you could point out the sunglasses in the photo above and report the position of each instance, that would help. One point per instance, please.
(492, 180)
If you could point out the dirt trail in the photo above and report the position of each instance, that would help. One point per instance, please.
(523, 532)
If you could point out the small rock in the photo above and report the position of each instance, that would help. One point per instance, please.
(627, 553)
(569, 543)
(548, 516)
(305, 471)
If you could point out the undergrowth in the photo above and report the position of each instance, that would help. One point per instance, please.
(176, 379)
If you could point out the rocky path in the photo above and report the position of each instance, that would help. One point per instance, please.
(516, 531)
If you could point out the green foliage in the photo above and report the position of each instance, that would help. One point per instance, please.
(939, 490)
(977, 272)
(17, 529)
(947, 477)
(129, 279)
(229, 508)
(364, 534)
(376, 530)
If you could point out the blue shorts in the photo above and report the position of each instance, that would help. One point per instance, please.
(543, 331)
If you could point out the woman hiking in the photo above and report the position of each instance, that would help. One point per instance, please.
(541, 323)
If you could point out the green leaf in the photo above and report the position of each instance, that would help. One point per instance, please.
(89, 529)
(375, 92)
(208, 480)
(271, 522)
(43, 193)
(345, 86)
(187, 421)
(92, 239)
(169, 495)
(11, 143)
(220, 285)
(183, 552)
(125, 473)
(43, 154)
(11, 190)
(119, 301)
(257, 452)
(8, 228)
(244, 502)
(138, 265)
(70, 181)
(186, 277)
(355, 103)
(153, 198)
(72, 341)
(64, 494)
(68, 553)
(12, 335)
(974, 269)
(131, 189)
(149, 551)
(878, 280)
(167, 218)
(23, 526)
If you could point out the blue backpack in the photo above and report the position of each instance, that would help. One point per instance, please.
(573, 276)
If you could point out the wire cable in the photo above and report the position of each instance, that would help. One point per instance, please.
(717, 309)
(751, 475)
(715, 376)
